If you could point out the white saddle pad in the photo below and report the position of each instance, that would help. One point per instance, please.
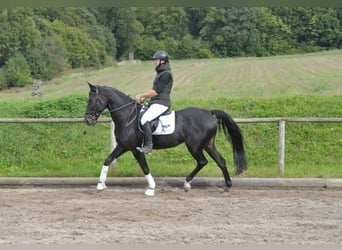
(166, 124)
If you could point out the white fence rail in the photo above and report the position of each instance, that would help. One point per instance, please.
(280, 120)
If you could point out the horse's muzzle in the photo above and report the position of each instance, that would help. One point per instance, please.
(90, 119)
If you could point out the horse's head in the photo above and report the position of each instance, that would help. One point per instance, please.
(96, 104)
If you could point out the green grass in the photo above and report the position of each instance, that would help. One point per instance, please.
(287, 86)
(307, 74)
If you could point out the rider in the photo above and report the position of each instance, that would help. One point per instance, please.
(159, 97)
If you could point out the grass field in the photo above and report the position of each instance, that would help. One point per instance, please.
(308, 74)
(297, 85)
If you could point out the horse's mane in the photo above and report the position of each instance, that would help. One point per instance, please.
(111, 91)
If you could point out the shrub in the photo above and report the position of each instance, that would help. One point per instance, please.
(64, 107)
(18, 73)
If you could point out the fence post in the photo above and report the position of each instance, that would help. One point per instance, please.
(281, 159)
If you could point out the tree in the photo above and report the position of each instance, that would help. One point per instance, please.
(18, 32)
(325, 29)
(47, 59)
(148, 47)
(274, 35)
(81, 49)
(125, 28)
(231, 31)
(163, 23)
(195, 17)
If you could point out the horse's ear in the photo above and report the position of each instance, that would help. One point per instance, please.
(90, 85)
(93, 88)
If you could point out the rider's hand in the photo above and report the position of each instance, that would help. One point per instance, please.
(139, 99)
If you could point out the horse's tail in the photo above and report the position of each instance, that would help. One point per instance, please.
(228, 125)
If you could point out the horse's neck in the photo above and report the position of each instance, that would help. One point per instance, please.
(121, 107)
(116, 98)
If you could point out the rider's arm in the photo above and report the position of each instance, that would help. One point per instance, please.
(141, 97)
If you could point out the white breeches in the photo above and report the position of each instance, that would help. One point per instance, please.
(153, 112)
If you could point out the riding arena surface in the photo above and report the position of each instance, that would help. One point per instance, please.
(62, 215)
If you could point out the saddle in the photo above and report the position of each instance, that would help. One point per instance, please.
(162, 125)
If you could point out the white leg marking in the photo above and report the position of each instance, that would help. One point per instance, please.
(151, 185)
(149, 192)
(187, 186)
(101, 186)
(102, 180)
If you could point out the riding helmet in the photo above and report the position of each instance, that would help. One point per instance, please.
(162, 55)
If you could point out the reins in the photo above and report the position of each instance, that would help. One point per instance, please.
(129, 122)
(121, 107)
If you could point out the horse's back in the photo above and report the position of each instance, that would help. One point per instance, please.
(193, 111)
(193, 116)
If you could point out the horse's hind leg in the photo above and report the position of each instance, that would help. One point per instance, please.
(221, 162)
(201, 162)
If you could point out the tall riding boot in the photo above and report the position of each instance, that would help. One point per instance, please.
(147, 148)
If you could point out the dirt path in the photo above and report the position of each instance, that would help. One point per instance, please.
(82, 215)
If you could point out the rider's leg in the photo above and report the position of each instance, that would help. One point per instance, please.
(153, 112)
(147, 148)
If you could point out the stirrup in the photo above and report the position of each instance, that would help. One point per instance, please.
(145, 149)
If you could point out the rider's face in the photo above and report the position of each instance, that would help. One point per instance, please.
(157, 62)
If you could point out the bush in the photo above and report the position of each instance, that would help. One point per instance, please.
(17, 71)
(204, 53)
(202, 50)
(72, 106)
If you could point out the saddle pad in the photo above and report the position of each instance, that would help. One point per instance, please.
(166, 124)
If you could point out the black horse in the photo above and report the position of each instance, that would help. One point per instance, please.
(194, 126)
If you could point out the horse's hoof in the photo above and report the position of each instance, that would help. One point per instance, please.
(227, 189)
(101, 186)
(149, 192)
(187, 186)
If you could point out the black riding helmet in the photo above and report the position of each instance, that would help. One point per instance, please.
(162, 55)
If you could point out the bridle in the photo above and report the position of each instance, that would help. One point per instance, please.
(96, 114)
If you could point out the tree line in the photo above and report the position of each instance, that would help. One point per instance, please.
(42, 42)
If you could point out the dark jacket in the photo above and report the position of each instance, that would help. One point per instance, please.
(162, 85)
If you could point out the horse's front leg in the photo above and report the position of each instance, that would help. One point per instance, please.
(151, 185)
(118, 150)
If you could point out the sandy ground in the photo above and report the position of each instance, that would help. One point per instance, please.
(125, 215)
